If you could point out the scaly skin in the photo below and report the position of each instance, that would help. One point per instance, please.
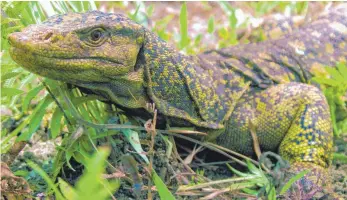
(218, 92)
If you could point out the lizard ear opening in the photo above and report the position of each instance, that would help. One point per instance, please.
(140, 59)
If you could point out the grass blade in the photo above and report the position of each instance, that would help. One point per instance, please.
(293, 180)
(184, 26)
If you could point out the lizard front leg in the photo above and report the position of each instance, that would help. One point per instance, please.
(292, 119)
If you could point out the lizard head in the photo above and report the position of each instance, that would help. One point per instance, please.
(79, 47)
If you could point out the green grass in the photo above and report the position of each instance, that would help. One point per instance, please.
(334, 84)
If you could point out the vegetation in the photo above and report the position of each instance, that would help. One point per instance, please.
(35, 109)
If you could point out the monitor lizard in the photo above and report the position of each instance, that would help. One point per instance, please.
(219, 91)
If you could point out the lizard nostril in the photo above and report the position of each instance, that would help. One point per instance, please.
(10, 42)
(48, 35)
(11, 38)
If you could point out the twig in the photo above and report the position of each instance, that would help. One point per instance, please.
(56, 100)
(213, 163)
(256, 145)
(117, 174)
(188, 132)
(217, 148)
(233, 152)
(229, 180)
(150, 128)
(192, 154)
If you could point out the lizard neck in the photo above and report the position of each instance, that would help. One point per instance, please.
(188, 88)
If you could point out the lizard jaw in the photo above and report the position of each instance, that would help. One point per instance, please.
(72, 70)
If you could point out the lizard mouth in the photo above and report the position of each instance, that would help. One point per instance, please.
(72, 69)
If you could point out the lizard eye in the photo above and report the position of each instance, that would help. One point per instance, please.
(96, 35)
